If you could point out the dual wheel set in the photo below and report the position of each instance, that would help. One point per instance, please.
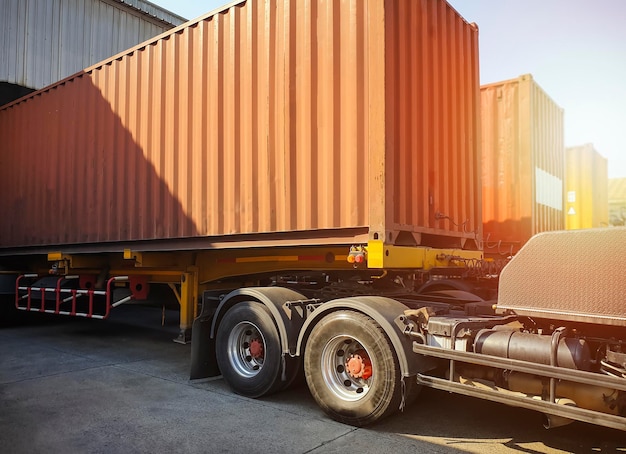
(349, 363)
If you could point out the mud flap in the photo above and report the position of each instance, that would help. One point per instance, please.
(203, 360)
(403, 401)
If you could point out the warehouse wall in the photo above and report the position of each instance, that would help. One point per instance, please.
(43, 41)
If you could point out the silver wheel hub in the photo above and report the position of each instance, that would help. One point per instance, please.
(346, 368)
(246, 349)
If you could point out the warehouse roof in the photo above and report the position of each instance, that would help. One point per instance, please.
(154, 11)
(48, 41)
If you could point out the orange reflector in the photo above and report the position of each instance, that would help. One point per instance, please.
(350, 259)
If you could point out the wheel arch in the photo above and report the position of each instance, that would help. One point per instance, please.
(382, 310)
(274, 298)
(445, 284)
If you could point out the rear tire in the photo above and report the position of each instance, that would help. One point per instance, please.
(248, 350)
(337, 341)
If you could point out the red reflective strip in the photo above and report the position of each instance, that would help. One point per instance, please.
(58, 295)
(308, 258)
(73, 312)
(17, 292)
(108, 294)
(90, 293)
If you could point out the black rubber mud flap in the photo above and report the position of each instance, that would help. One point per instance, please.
(203, 360)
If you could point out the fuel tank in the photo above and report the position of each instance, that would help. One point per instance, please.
(572, 353)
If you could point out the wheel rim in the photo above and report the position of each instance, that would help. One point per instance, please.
(246, 349)
(346, 368)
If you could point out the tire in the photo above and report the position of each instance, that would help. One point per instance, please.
(248, 350)
(338, 341)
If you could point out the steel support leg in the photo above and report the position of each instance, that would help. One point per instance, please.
(188, 304)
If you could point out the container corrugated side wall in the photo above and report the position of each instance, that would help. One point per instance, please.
(586, 188)
(251, 120)
(270, 116)
(548, 146)
(522, 163)
(432, 99)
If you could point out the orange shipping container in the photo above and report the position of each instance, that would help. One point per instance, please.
(586, 188)
(523, 163)
(268, 122)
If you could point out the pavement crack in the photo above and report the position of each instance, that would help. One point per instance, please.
(160, 377)
(55, 374)
(324, 443)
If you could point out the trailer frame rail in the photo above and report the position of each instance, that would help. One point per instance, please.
(516, 399)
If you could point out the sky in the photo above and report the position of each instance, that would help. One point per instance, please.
(574, 49)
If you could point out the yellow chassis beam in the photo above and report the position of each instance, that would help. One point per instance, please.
(384, 256)
(187, 272)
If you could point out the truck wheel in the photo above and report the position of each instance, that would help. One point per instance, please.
(352, 369)
(248, 350)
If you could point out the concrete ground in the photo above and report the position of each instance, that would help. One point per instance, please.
(121, 386)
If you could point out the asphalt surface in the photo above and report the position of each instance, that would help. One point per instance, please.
(121, 386)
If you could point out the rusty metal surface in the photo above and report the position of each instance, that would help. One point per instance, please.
(574, 275)
(523, 162)
(265, 117)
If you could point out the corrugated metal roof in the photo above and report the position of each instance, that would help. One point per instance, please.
(154, 11)
(44, 41)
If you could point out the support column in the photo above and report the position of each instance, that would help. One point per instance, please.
(188, 304)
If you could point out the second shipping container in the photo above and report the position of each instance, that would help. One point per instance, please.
(523, 163)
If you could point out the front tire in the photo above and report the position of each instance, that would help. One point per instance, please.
(351, 369)
(248, 350)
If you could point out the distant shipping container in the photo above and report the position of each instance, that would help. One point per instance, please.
(586, 188)
(307, 121)
(617, 201)
(523, 163)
